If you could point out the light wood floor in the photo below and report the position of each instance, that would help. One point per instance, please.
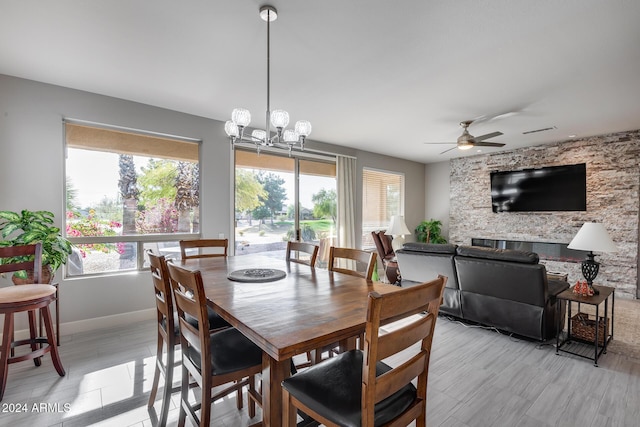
(478, 377)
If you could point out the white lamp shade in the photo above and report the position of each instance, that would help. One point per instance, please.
(593, 237)
(397, 227)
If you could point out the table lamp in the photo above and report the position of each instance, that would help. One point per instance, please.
(592, 237)
(398, 229)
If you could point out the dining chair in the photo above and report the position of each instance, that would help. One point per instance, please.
(356, 388)
(387, 255)
(169, 333)
(368, 259)
(352, 258)
(203, 247)
(212, 359)
(29, 298)
(295, 248)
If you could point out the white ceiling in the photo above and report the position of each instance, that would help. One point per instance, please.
(378, 75)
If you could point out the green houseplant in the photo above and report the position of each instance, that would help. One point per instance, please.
(30, 227)
(429, 232)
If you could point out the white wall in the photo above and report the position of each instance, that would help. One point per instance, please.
(436, 177)
(32, 177)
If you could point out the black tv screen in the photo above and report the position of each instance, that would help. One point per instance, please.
(555, 188)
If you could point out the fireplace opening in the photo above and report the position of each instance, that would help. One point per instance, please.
(546, 250)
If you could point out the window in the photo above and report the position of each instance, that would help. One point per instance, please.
(127, 192)
(281, 198)
(382, 197)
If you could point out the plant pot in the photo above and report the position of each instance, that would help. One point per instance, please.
(47, 276)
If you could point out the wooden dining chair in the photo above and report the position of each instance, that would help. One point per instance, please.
(368, 259)
(212, 359)
(29, 298)
(353, 257)
(203, 247)
(294, 249)
(169, 333)
(356, 388)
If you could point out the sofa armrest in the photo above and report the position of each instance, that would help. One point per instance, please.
(557, 286)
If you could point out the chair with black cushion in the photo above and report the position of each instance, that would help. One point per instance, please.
(349, 258)
(295, 249)
(30, 298)
(169, 333)
(206, 248)
(355, 388)
(357, 257)
(212, 359)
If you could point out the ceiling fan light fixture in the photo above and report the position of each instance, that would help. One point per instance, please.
(465, 146)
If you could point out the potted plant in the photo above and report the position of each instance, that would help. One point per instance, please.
(30, 227)
(429, 232)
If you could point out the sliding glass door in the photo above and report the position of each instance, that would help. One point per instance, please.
(279, 198)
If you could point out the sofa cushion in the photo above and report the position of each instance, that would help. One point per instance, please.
(430, 247)
(498, 254)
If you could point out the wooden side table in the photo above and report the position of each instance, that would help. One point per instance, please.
(576, 345)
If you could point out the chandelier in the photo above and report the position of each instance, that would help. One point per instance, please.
(279, 119)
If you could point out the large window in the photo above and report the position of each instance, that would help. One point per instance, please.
(281, 198)
(127, 192)
(382, 197)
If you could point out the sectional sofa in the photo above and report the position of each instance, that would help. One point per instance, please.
(502, 288)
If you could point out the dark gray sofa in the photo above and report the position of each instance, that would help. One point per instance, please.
(503, 288)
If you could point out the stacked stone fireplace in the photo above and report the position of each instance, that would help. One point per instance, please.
(613, 198)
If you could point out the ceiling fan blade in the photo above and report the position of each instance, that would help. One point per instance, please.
(445, 151)
(487, 136)
(488, 144)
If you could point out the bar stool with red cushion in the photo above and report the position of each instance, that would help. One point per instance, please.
(29, 297)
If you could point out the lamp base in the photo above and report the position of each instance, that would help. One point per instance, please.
(590, 268)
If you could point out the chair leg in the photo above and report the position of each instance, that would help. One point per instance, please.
(168, 384)
(290, 414)
(156, 373)
(250, 402)
(33, 333)
(55, 357)
(184, 397)
(7, 337)
(205, 408)
(239, 403)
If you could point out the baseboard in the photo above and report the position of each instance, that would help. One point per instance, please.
(96, 323)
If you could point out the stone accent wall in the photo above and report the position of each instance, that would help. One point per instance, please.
(613, 184)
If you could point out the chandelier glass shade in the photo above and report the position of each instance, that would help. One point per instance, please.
(276, 119)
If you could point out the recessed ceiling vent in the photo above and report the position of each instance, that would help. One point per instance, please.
(538, 130)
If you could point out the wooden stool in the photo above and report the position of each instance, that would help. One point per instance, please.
(15, 299)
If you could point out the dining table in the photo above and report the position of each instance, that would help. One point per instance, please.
(299, 310)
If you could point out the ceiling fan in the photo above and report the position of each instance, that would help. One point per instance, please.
(467, 141)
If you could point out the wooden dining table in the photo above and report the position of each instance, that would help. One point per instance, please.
(305, 310)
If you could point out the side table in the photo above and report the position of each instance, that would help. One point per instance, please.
(572, 344)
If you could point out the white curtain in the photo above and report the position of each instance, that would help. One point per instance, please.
(346, 175)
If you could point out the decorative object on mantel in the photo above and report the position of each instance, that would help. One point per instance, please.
(592, 237)
(28, 228)
(398, 229)
(240, 117)
(429, 232)
(256, 275)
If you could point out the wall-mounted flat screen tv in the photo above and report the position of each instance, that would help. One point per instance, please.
(554, 188)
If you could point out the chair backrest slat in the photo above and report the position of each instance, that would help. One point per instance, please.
(164, 295)
(34, 264)
(357, 255)
(188, 292)
(201, 244)
(406, 306)
(308, 248)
